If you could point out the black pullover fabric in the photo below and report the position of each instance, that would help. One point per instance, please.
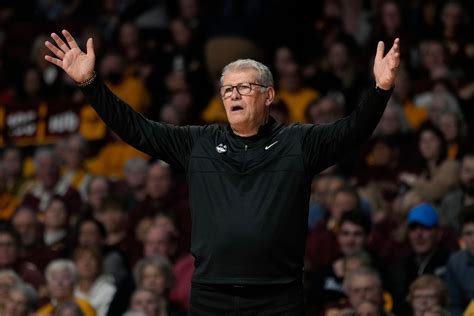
(249, 196)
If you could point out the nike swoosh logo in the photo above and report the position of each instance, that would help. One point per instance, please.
(268, 147)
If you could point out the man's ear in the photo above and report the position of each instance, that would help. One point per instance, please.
(270, 96)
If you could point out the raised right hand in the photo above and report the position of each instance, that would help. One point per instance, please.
(77, 64)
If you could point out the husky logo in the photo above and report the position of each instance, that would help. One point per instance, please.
(221, 148)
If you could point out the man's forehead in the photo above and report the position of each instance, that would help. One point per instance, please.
(233, 77)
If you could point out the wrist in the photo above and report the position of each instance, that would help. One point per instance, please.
(87, 81)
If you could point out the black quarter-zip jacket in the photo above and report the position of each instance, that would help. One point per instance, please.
(249, 196)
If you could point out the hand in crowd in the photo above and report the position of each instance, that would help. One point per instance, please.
(408, 178)
(386, 68)
(77, 64)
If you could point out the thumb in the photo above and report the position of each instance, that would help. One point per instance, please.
(380, 50)
(90, 47)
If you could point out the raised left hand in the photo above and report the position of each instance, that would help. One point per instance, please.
(386, 67)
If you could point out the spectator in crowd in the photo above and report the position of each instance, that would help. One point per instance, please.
(156, 274)
(460, 268)
(364, 284)
(133, 186)
(92, 284)
(323, 188)
(437, 174)
(22, 300)
(114, 217)
(454, 128)
(427, 255)
(454, 201)
(28, 227)
(12, 160)
(427, 291)
(89, 232)
(73, 171)
(129, 88)
(290, 85)
(47, 184)
(146, 303)
(8, 280)
(98, 190)
(10, 257)
(321, 244)
(56, 237)
(61, 275)
(162, 196)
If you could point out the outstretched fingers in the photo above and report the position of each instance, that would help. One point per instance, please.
(59, 53)
(63, 46)
(56, 61)
(70, 40)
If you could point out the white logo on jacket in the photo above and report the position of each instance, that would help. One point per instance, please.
(221, 148)
(268, 147)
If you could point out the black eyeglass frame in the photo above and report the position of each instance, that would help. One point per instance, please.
(239, 86)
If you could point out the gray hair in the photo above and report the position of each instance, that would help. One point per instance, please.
(135, 163)
(61, 265)
(29, 292)
(362, 271)
(160, 262)
(12, 274)
(264, 75)
(43, 152)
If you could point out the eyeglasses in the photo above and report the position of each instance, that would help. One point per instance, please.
(244, 88)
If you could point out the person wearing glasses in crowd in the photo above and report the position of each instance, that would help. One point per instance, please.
(249, 181)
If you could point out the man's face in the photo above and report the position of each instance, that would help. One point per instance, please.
(364, 288)
(423, 240)
(468, 237)
(8, 250)
(245, 112)
(25, 224)
(157, 242)
(342, 203)
(351, 238)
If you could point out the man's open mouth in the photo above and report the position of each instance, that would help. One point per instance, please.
(236, 108)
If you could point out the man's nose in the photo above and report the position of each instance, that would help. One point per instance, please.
(235, 93)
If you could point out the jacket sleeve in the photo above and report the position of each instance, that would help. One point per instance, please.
(457, 301)
(323, 145)
(167, 142)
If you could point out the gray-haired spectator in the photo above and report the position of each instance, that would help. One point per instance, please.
(8, 280)
(46, 184)
(61, 276)
(74, 172)
(364, 284)
(154, 273)
(133, 185)
(22, 300)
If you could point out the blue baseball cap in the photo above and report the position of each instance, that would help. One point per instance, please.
(423, 214)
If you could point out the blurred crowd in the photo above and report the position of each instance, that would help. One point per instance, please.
(91, 226)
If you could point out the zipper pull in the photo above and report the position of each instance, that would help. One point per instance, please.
(246, 147)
